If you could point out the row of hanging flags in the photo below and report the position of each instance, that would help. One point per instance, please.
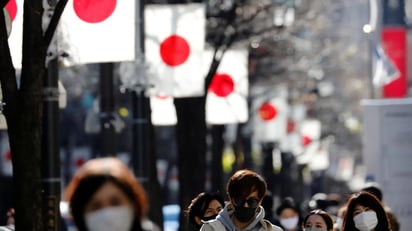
(174, 51)
(177, 60)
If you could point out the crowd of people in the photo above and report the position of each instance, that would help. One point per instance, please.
(105, 195)
(250, 207)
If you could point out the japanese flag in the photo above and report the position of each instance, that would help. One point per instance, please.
(270, 121)
(226, 97)
(97, 31)
(163, 110)
(174, 43)
(310, 130)
(14, 9)
(292, 142)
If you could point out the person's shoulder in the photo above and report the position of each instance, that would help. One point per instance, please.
(214, 224)
(7, 228)
(271, 227)
(148, 224)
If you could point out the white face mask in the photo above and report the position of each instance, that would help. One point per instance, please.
(118, 218)
(289, 223)
(365, 221)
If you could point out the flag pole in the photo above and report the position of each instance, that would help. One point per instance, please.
(369, 29)
(140, 108)
(51, 180)
(107, 131)
(50, 144)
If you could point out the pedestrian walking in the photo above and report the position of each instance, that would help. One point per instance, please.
(318, 220)
(288, 215)
(364, 212)
(204, 207)
(104, 195)
(243, 211)
(375, 189)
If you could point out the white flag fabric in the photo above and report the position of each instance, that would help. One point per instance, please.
(96, 33)
(226, 100)
(384, 70)
(15, 11)
(174, 44)
(310, 131)
(270, 120)
(292, 142)
(163, 110)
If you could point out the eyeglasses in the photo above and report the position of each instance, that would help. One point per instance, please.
(252, 202)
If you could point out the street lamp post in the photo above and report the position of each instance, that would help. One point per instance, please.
(107, 131)
(50, 175)
(369, 29)
(133, 78)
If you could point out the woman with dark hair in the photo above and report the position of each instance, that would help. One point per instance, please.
(204, 207)
(105, 195)
(246, 190)
(288, 215)
(365, 212)
(318, 220)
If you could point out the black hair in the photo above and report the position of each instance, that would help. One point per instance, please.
(325, 216)
(199, 205)
(244, 182)
(374, 188)
(368, 200)
(288, 202)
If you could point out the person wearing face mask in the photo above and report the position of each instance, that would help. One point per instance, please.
(204, 207)
(364, 212)
(288, 215)
(318, 220)
(243, 211)
(104, 195)
(375, 189)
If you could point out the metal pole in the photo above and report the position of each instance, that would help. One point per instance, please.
(370, 65)
(107, 131)
(140, 109)
(51, 180)
(369, 29)
(50, 173)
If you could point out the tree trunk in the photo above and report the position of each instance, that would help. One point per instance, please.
(25, 144)
(24, 110)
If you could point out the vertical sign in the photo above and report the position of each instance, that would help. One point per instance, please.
(395, 45)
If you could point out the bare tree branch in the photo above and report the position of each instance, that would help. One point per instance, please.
(48, 36)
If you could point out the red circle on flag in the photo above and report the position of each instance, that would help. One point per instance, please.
(267, 111)
(306, 140)
(222, 85)
(94, 11)
(162, 97)
(174, 50)
(11, 7)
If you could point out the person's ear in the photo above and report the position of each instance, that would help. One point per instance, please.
(198, 220)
